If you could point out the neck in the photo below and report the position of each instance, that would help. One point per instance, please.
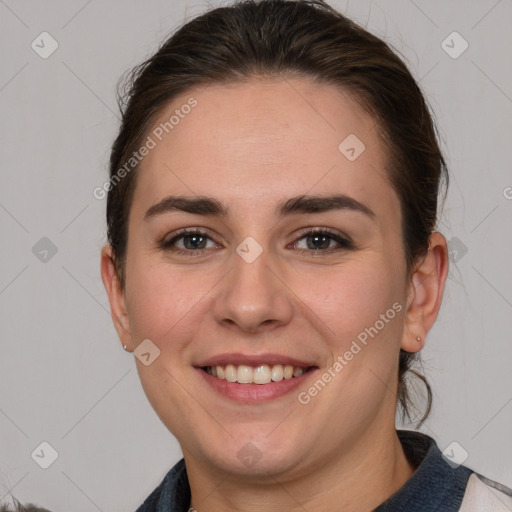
(362, 478)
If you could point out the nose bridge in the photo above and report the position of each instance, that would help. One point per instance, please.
(252, 294)
(251, 271)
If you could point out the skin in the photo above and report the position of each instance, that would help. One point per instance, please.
(253, 145)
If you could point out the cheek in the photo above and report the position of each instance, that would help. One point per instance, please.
(351, 299)
(359, 310)
(165, 305)
(361, 315)
(164, 301)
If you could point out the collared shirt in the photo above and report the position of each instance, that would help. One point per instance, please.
(437, 485)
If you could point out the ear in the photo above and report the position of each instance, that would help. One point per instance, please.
(425, 293)
(116, 297)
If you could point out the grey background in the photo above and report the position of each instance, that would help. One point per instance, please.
(65, 378)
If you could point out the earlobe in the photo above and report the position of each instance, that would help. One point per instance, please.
(116, 297)
(425, 293)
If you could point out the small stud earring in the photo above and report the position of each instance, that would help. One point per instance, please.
(418, 339)
(124, 346)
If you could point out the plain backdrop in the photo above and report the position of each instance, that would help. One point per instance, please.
(65, 379)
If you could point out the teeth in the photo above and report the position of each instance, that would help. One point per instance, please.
(230, 373)
(244, 374)
(262, 374)
(277, 373)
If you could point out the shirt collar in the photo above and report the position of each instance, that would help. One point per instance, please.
(435, 485)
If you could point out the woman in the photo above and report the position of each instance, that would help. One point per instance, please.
(274, 265)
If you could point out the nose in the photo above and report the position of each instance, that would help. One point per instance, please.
(253, 297)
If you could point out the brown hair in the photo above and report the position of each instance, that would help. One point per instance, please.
(28, 507)
(282, 37)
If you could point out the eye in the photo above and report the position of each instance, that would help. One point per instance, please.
(322, 240)
(188, 241)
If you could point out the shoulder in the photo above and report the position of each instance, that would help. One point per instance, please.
(438, 484)
(484, 495)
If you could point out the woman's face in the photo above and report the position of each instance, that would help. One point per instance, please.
(253, 287)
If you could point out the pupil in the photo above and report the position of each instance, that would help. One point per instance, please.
(323, 242)
(195, 241)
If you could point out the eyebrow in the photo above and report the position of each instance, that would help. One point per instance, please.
(205, 205)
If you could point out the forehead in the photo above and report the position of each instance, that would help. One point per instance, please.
(265, 139)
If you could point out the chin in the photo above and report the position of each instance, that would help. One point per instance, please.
(255, 455)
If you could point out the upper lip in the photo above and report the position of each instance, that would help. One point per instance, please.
(253, 360)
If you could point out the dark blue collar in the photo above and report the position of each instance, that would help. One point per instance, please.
(435, 485)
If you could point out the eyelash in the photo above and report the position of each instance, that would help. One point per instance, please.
(344, 242)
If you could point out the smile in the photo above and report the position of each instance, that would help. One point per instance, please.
(260, 374)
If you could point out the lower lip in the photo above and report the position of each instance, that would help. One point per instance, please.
(251, 393)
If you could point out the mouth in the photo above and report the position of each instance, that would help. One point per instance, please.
(260, 374)
(254, 378)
